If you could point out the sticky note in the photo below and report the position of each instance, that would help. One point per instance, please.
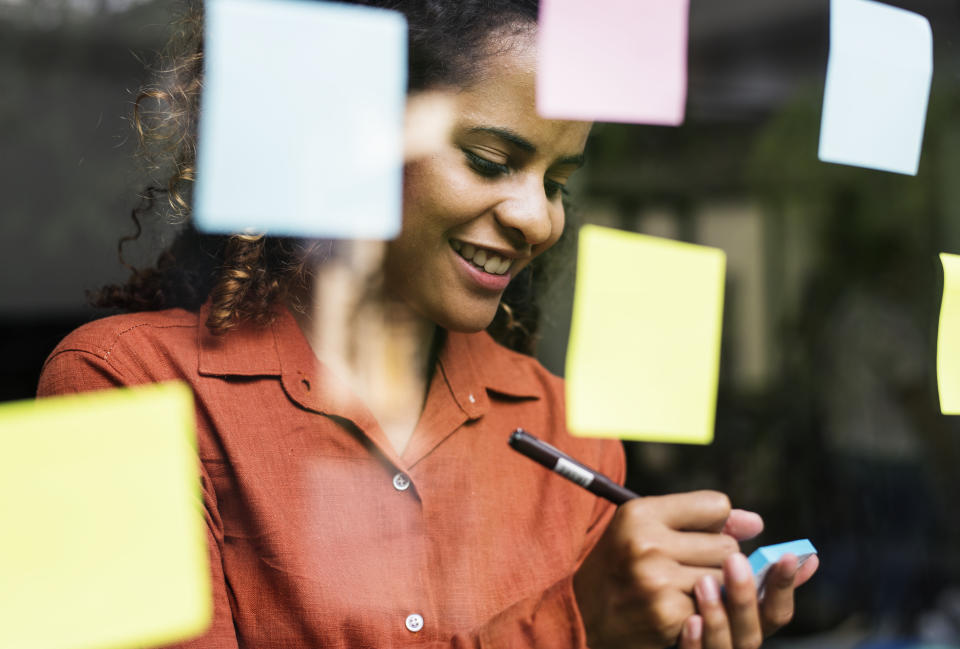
(878, 86)
(613, 60)
(104, 540)
(302, 118)
(644, 353)
(762, 559)
(948, 337)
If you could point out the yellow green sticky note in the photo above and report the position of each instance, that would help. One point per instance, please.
(644, 353)
(948, 337)
(102, 534)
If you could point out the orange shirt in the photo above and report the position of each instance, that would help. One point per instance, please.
(320, 535)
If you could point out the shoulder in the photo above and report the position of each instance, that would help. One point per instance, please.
(121, 350)
(102, 337)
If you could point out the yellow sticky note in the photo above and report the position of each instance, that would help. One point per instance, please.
(102, 536)
(644, 353)
(948, 337)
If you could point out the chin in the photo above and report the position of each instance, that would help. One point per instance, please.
(465, 323)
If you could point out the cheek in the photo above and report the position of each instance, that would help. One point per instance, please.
(438, 194)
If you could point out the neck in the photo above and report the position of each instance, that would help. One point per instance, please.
(380, 348)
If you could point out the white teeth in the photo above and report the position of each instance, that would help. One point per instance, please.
(488, 261)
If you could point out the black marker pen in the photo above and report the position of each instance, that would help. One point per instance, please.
(559, 462)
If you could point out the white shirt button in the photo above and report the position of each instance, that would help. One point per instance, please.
(414, 622)
(401, 482)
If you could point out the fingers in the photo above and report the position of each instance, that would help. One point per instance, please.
(743, 525)
(716, 629)
(806, 571)
(657, 526)
(742, 610)
(696, 510)
(692, 634)
(777, 607)
(657, 573)
(733, 621)
(690, 548)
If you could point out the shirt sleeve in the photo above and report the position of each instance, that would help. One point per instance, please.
(72, 371)
(550, 620)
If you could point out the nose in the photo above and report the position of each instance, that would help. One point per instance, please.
(527, 212)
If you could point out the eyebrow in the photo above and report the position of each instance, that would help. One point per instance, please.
(524, 144)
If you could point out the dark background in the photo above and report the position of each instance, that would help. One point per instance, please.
(828, 421)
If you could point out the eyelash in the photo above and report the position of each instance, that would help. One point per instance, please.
(490, 169)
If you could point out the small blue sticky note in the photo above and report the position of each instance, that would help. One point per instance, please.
(878, 86)
(763, 558)
(301, 122)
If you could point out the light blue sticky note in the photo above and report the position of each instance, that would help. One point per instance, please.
(762, 559)
(301, 124)
(878, 86)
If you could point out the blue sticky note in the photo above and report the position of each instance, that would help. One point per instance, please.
(301, 123)
(762, 559)
(878, 86)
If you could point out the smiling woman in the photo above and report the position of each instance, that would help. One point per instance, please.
(337, 518)
(243, 276)
(483, 208)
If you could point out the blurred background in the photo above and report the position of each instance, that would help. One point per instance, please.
(828, 421)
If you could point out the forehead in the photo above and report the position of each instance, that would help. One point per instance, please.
(504, 95)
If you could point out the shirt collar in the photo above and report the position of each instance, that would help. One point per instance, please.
(247, 350)
(472, 364)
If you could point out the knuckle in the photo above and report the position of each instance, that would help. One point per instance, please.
(666, 617)
(648, 579)
(643, 546)
(720, 501)
(635, 512)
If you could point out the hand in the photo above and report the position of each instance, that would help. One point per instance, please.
(740, 621)
(636, 587)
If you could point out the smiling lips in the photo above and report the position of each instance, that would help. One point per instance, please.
(486, 260)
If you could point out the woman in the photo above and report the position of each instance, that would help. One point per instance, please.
(338, 518)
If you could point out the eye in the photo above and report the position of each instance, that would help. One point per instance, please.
(554, 188)
(484, 167)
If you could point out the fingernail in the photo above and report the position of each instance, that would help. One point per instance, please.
(707, 590)
(739, 568)
(694, 627)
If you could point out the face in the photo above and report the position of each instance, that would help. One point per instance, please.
(479, 210)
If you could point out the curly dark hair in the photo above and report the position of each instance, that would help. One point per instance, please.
(243, 275)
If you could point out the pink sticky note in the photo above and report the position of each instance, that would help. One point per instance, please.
(613, 60)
